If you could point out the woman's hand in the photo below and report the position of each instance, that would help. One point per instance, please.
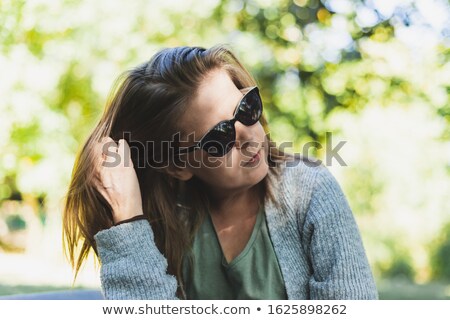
(116, 179)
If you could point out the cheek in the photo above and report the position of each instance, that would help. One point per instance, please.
(261, 133)
(220, 170)
(215, 176)
(207, 167)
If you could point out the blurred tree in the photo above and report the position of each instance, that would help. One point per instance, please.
(314, 61)
(399, 265)
(440, 256)
(335, 49)
(310, 57)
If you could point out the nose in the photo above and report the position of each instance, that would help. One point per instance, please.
(245, 137)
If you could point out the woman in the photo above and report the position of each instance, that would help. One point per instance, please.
(196, 202)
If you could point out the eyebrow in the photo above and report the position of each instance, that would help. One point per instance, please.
(236, 107)
(232, 116)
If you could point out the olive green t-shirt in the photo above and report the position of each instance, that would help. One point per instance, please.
(253, 274)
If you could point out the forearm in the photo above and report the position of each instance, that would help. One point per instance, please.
(131, 265)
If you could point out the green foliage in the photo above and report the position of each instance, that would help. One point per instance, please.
(77, 100)
(364, 188)
(313, 63)
(440, 257)
(399, 267)
(11, 14)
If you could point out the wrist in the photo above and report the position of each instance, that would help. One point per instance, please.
(137, 217)
(122, 214)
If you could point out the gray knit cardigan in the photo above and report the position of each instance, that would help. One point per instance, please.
(314, 235)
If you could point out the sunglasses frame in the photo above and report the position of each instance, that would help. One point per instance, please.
(232, 121)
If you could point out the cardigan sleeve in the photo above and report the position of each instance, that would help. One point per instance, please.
(336, 252)
(132, 267)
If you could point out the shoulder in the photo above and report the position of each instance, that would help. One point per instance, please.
(305, 182)
(302, 176)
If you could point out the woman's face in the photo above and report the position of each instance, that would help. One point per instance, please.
(216, 100)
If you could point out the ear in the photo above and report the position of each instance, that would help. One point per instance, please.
(179, 173)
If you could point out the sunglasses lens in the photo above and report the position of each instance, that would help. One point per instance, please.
(250, 108)
(220, 140)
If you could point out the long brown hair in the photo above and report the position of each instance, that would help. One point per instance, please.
(146, 104)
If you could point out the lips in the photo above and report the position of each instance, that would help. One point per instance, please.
(252, 160)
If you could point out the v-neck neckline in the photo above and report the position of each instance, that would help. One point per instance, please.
(248, 246)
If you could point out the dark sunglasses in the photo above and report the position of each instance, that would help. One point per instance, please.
(220, 139)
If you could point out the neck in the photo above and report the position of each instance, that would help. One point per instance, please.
(235, 206)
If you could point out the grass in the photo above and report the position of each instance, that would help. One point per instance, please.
(403, 290)
(388, 290)
(6, 290)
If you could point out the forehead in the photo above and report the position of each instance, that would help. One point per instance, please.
(215, 101)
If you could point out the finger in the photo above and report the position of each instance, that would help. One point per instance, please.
(111, 158)
(102, 169)
(106, 143)
(101, 150)
(124, 153)
(99, 187)
(100, 161)
(121, 147)
(105, 139)
(100, 155)
(109, 146)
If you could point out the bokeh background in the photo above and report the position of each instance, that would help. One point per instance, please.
(374, 73)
